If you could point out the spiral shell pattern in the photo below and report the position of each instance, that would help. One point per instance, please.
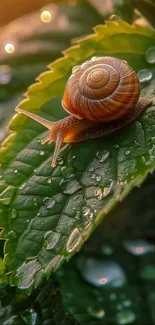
(102, 89)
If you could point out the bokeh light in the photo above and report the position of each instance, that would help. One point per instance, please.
(72, 2)
(46, 16)
(9, 48)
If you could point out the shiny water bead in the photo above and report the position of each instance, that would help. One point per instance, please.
(99, 272)
(144, 75)
(74, 241)
(150, 55)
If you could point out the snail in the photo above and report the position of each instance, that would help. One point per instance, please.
(102, 95)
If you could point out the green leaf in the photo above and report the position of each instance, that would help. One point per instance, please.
(43, 306)
(55, 210)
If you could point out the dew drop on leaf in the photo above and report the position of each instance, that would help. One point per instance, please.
(13, 213)
(74, 240)
(150, 55)
(60, 161)
(98, 178)
(101, 273)
(26, 273)
(49, 180)
(91, 169)
(127, 152)
(87, 213)
(102, 156)
(97, 313)
(51, 239)
(144, 75)
(93, 176)
(139, 247)
(125, 317)
(15, 171)
(41, 152)
(50, 203)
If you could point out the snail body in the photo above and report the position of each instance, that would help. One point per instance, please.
(102, 95)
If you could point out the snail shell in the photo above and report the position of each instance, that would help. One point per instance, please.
(101, 90)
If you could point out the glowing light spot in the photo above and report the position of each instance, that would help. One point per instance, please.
(72, 2)
(46, 16)
(9, 48)
(139, 250)
(103, 280)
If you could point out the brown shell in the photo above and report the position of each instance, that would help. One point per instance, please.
(102, 89)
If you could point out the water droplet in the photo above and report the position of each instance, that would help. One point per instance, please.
(72, 187)
(99, 272)
(15, 171)
(98, 178)
(35, 200)
(107, 250)
(27, 220)
(60, 161)
(50, 202)
(125, 317)
(49, 181)
(91, 169)
(38, 214)
(148, 272)
(150, 55)
(22, 186)
(35, 170)
(5, 74)
(12, 234)
(93, 176)
(116, 146)
(67, 172)
(139, 247)
(13, 213)
(41, 152)
(33, 317)
(102, 156)
(87, 213)
(26, 273)
(127, 152)
(74, 240)
(144, 75)
(38, 140)
(97, 313)
(51, 239)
